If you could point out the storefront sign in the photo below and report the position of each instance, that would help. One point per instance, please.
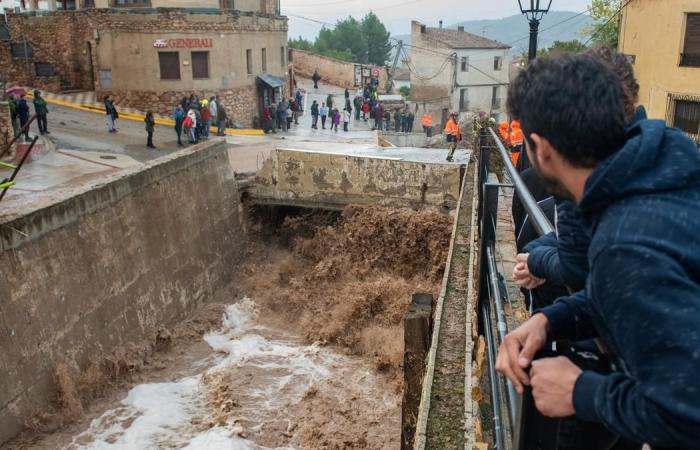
(184, 43)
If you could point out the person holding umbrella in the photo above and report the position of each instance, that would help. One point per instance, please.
(41, 110)
(23, 111)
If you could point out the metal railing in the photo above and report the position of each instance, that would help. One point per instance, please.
(508, 431)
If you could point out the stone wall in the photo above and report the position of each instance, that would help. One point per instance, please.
(108, 265)
(241, 104)
(333, 181)
(5, 125)
(332, 71)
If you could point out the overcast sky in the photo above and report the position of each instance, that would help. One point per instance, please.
(397, 14)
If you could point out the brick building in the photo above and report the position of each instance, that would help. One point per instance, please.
(150, 53)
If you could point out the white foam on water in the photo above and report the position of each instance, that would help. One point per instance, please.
(164, 415)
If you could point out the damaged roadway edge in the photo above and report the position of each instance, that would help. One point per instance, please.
(421, 437)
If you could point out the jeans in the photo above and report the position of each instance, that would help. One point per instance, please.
(22, 122)
(323, 122)
(192, 135)
(178, 131)
(42, 122)
(15, 127)
(357, 113)
(221, 128)
(205, 128)
(149, 142)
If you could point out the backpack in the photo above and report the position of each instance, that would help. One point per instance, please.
(188, 122)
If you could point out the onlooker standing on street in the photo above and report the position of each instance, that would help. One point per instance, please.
(397, 120)
(282, 115)
(41, 110)
(314, 115)
(191, 125)
(387, 120)
(316, 78)
(324, 113)
(221, 119)
(267, 120)
(346, 119)
(329, 101)
(290, 114)
(357, 101)
(23, 111)
(378, 116)
(347, 94)
(150, 128)
(365, 110)
(335, 120)
(179, 118)
(213, 104)
(206, 118)
(14, 116)
(410, 117)
(112, 114)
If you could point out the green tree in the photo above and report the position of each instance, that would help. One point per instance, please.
(344, 39)
(301, 44)
(560, 47)
(405, 92)
(378, 46)
(605, 28)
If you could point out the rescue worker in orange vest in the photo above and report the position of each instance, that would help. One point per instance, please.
(516, 140)
(427, 122)
(453, 134)
(503, 131)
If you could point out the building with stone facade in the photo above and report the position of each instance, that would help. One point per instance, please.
(454, 70)
(151, 53)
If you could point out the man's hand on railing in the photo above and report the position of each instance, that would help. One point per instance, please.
(518, 349)
(522, 275)
(553, 381)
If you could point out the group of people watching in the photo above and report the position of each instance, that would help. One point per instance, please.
(195, 117)
(20, 113)
(612, 349)
(286, 112)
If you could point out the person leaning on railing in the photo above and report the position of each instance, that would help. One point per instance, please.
(637, 192)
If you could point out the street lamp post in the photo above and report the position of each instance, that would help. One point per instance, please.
(534, 13)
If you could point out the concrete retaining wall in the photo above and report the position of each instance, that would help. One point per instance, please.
(327, 180)
(405, 139)
(109, 265)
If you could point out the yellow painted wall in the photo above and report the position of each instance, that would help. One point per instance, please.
(654, 31)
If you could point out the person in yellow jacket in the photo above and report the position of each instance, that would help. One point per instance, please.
(516, 140)
(453, 134)
(427, 122)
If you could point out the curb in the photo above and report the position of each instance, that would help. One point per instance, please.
(139, 117)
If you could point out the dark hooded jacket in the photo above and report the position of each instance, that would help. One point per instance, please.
(562, 258)
(642, 296)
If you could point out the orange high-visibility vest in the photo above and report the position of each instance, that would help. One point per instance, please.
(452, 128)
(503, 130)
(516, 136)
(427, 120)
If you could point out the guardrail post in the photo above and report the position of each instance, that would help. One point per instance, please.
(484, 157)
(416, 336)
(488, 235)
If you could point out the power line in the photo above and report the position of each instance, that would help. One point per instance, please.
(600, 28)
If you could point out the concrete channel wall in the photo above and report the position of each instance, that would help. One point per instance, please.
(108, 266)
(328, 180)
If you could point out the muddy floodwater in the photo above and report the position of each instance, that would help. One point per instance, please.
(305, 352)
(260, 388)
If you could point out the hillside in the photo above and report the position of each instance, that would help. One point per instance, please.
(514, 30)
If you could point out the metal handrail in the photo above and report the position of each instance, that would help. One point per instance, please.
(539, 220)
(490, 291)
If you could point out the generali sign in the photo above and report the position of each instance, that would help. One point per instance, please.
(184, 43)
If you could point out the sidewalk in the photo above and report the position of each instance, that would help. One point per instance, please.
(85, 101)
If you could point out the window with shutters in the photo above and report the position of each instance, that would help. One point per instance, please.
(463, 99)
(497, 63)
(686, 116)
(263, 57)
(200, 65)
(465, 64)
(169, 65)
(249, 61)
(691, 45)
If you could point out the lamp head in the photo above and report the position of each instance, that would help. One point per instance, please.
(534, 9)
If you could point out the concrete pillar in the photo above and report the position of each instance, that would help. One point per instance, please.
(52, 5)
